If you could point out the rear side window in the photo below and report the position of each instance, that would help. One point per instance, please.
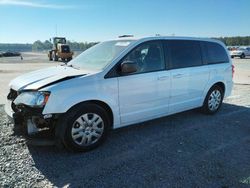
(184, 53)
(214, 53)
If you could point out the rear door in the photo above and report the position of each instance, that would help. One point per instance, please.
(218, 63)
(188, 76)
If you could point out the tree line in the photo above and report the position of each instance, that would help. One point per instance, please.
(46, 45)
(235, 41)
(81, 46)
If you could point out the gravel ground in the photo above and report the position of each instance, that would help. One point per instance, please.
(184, 150)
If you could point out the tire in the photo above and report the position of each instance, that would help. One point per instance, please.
(50, 56)
(83, 128)
(54, 56)
(232, 56)
(69, 59)
(242, 56)
(213, 100)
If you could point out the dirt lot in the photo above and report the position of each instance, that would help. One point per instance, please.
(184, 150)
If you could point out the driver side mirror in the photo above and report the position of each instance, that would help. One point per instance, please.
(128, 67)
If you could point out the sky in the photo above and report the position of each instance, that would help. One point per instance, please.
(25, 21)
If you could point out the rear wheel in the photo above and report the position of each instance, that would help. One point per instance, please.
(213, 100)
(242, 56)
(84, 128)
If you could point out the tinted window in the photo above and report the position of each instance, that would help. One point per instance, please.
(184, 53)
(214, 53)
(148, 57)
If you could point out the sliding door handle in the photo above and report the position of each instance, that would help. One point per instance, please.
(163, 77)
(178, 75)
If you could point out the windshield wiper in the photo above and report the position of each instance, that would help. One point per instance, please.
(70, 65)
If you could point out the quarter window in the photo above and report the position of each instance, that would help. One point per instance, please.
(214, 53)
(184, 53)
(148, 57)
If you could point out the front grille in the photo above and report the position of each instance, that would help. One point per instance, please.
(12, 95)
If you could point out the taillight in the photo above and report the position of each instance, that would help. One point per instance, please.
(232, 70)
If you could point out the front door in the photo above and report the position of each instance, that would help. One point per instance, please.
(144, 94)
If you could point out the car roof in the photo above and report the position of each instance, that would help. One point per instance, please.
(148, 38)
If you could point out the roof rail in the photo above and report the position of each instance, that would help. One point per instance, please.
(123, 36)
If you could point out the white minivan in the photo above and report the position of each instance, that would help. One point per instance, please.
(121, 82)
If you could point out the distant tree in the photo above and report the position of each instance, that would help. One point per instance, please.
(82, 46)
(37, 46)
(15, 47)
(236, 41)
(47, 45)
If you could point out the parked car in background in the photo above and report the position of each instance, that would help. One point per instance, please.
(241, 52)
(231, 48)
(118, 83)
(9, 54)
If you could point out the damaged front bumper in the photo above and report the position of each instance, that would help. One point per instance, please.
(8, 110)
(30, 119)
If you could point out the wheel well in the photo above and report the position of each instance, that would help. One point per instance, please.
(106, 107)
(221, 85)
(103, 105)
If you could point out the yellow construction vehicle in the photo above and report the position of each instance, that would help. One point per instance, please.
(60, 50)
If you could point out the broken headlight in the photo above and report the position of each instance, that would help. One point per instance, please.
(32, 98)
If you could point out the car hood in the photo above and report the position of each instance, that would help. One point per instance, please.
(40, 78)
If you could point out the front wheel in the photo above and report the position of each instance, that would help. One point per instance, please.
(84, 128)
(213, 100)
(54, 56)
(50, 56)
(69, 59)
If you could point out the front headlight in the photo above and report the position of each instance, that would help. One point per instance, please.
(32, 98)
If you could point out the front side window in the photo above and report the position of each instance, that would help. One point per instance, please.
(184, 53)
(148, 57)
(214, 53)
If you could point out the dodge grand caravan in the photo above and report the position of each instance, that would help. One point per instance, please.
(121, 82)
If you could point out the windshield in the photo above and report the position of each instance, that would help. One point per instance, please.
(60, 40)
(100, 55)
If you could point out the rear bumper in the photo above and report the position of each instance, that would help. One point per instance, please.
(229, 88)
